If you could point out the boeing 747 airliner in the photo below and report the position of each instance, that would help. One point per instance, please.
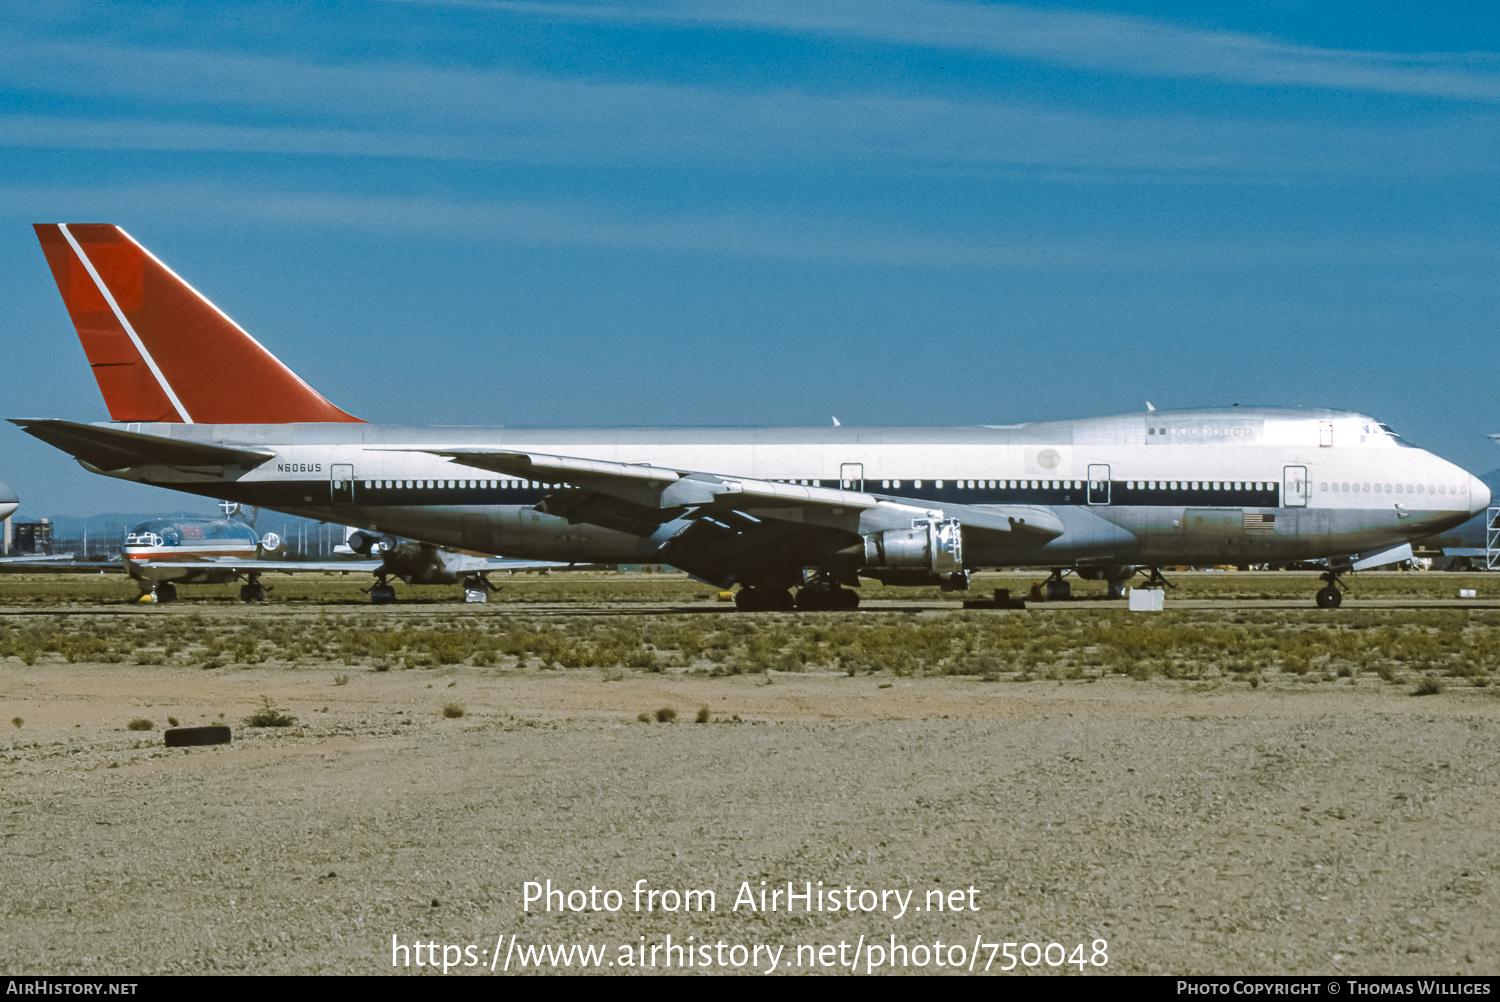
(794, 516)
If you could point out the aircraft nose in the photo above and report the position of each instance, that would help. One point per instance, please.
(1479, 495)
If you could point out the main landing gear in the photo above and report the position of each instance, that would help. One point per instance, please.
(1330, 596)
(1155, 580)
(826, 596)
(382, 592)
(763, 599)
(476, 589)
(254, 591)
(818, 595)
(161, 591)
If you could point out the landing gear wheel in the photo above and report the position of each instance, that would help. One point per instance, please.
(1330, 598)
(764, 600)
(382, 594)
(253, 592)
(819, 597)
(165, 592)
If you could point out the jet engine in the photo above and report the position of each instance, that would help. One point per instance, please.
(935, 547)
(364, 542)
(272, 547)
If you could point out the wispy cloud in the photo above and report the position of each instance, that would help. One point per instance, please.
(762, 235)
(209, 101)
(1111, 43)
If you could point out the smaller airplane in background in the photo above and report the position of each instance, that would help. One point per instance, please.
(165, 552)
(9, 502)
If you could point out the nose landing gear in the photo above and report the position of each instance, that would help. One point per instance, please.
(1330, 596)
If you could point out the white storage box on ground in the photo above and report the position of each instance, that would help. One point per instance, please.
(1146, 599)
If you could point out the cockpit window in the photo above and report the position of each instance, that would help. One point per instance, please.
(1392, 432)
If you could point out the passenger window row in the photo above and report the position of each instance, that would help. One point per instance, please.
(457, 485)
(1388, 488)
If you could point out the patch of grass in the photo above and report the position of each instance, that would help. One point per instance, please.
(453, 711)
(17, 721)
(703, 714)
(341, 680)
(666, 715)
(270, 715)
(139, 724)
(644, 718)
(1428, 685)
(171, 721)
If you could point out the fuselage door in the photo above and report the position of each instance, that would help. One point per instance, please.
(341, 483)
(852, 476)
(1098, 484)
(1294, 487)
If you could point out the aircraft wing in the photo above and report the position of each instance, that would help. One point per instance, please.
(657, 486)
(671, 491)
(112, 448)
(62, 563)
(466, 563)
(733, 528)
(457, 563)
(267, 566)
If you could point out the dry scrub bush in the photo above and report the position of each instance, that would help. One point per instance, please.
(269, 715)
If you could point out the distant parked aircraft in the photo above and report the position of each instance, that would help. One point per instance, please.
(165, 552)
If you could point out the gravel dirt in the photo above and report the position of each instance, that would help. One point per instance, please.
(1197, 827)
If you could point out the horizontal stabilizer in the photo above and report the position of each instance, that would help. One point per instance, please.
(108, 448)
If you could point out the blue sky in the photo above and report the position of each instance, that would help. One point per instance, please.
(892, 211)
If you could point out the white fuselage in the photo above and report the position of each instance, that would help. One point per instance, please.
(1228, 485)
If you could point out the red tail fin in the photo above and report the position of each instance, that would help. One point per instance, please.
(161, 351)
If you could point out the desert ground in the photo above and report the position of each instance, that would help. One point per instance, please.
(1240, 784)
